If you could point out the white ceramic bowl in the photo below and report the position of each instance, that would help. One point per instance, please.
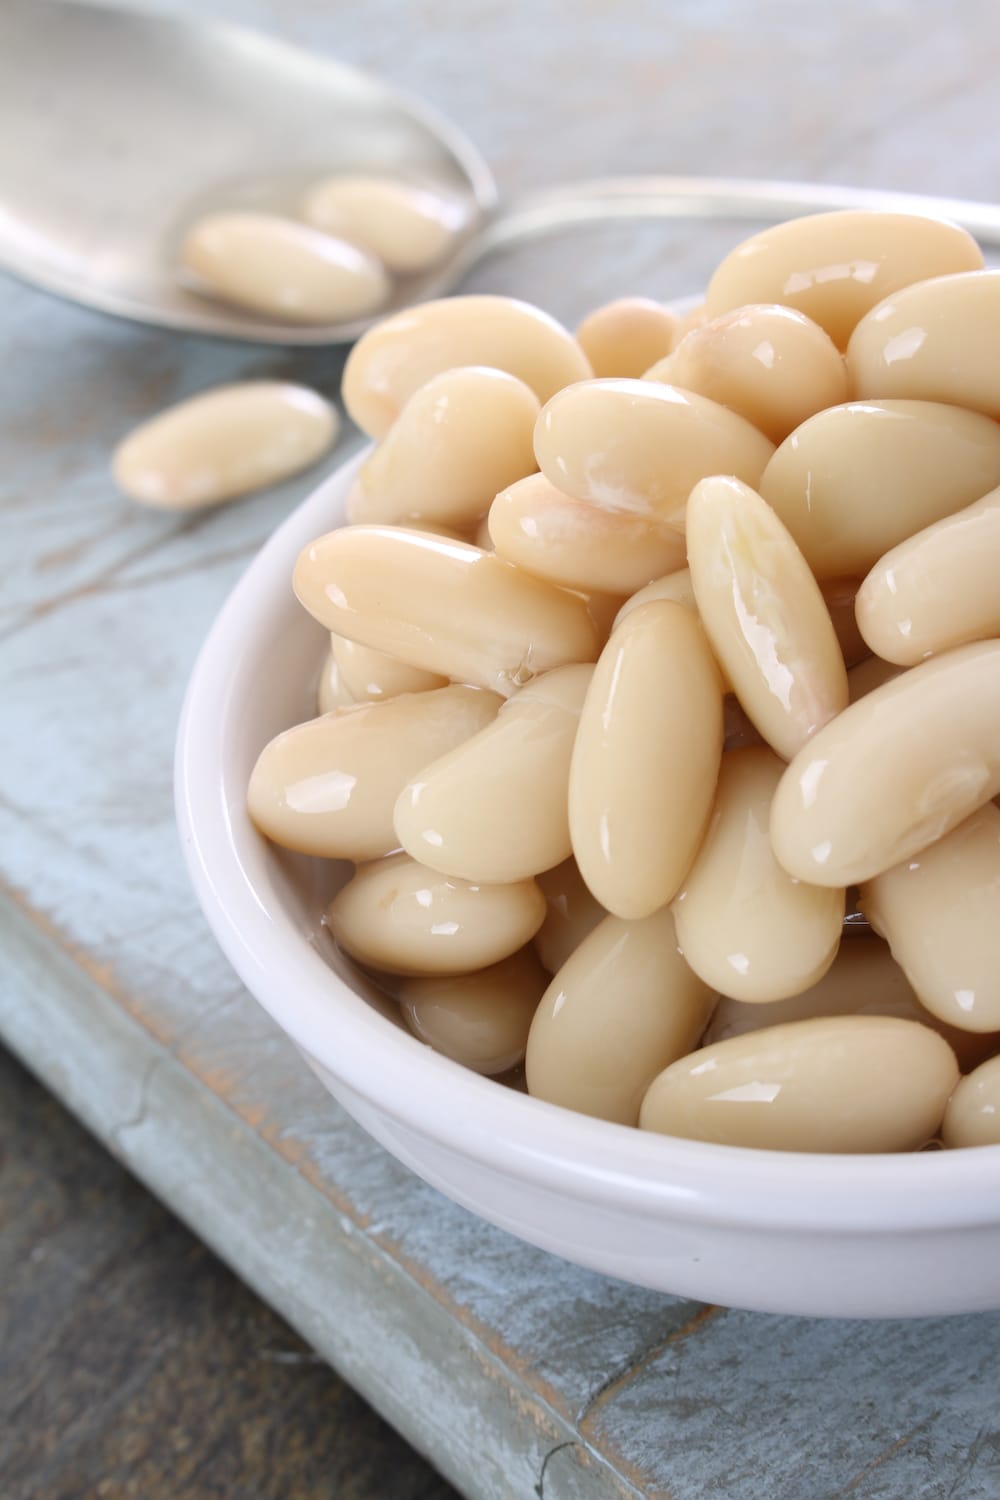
(877, 1236)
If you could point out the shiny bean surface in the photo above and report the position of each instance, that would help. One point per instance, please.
(973, 1114)
(331, 691)
(857, 479)
(675, 586)
(627, 336)
(937, 589)
(647, 753)
(933, 342)
(459, 439)
(865, 980)
(845, 1083)
(397, 916)
(328, 787)
(835, 267)
(480, 1020)
(444, 606)
(623, 1006)
(408, 228)
(495, 809)
(572, 913)
(744, 925)
(939, 913)
(764, 614)
(223, 443)
(282, 268)
(396, 358)
(637, 445)
(371, 675)
(769, 364)
(894, 772)
(577, 544)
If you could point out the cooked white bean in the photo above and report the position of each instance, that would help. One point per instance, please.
(843, 1083)
(224, 443)
(371, 675)
(865, 980)
(748, 928)
(622, 1007)
(392, 361)
(857, 479)
(770, 364)
(495, 809)
(646, 760)
(938, 912)
(676, 586)
(572, 913)
(480, 1020)
(461, 437)
(409, 228)
(933, 342)
(444, 606)
(332, 692)
(834, 267)
(400, 917)
(973, 1114)
(577, 544)
(329, 786)
(937, 589)
(627, 336)
(282, 268)
(894, 772)
(764, 614)
(605, 441)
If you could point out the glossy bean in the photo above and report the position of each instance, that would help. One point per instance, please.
(835, 267)
(329, 786)
(480, 1020)
(399, 917)
(894, 772)
(844, 1083)
(495, 809)
(675, 586)
(627, 336)
(224, 442)
(863, 980)
(744, 925)
(857, 479)
(937, 589)
(623, 1006)
(403, 352)
(283, 269)
(409, 228)
(646, 758)
(331, 691)
(444, 606)
(579, 545)
(459, 439)
(933, 342)
(572, 913)
(369, 675)
(973, 1114)
(764, 614)
(636, 445)
(938, 912)
(770, 364)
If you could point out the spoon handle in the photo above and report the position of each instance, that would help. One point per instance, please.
(551, 209)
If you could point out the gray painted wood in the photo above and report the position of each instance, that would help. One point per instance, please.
(511, 1369)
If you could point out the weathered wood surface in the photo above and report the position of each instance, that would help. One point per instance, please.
(518, 1374)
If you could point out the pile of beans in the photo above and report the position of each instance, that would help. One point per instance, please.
(661, 715)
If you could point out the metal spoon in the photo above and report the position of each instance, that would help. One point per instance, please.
(120, 127)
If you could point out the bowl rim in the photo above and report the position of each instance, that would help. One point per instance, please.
(543, 1144)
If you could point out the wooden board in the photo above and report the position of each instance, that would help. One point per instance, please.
(517, 1374)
